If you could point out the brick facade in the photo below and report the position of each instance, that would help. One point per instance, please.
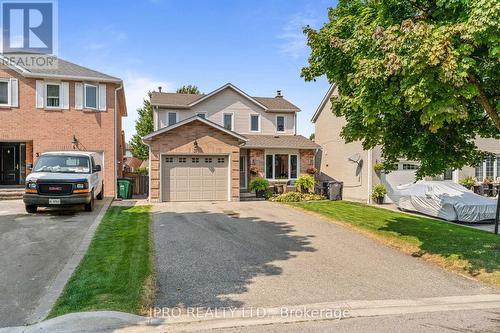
(256, 159)
(306, 160)
(181, 141)
(48, 130)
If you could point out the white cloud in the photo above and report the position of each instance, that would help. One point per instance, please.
(294, 41)
(136, 90)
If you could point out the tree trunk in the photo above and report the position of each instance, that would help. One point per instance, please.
(485, 103)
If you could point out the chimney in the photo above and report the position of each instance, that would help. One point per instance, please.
(159, 89)
(278, 94)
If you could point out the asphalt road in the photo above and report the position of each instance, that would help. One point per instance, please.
(33, 249)
(262, 254)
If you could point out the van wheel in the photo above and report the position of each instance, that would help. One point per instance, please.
(31, 209)
(90, 206)
(100, 196)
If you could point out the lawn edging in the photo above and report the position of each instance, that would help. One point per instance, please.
(117, 272)
(413, 235)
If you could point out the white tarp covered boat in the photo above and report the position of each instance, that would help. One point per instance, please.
(446, 200)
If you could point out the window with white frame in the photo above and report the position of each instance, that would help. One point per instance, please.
(489, 168)
(90, 98)
(4, 92)
(408, 166)
(282, 166)
(280, 123)
(255, 123)
(53, 95)
(228, 121)
(172, 118)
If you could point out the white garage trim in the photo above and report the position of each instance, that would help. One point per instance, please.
(229, 171)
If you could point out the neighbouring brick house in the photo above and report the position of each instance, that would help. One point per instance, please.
(209, 147)
(62, 108)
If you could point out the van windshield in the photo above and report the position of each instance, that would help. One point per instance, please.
(63, 164)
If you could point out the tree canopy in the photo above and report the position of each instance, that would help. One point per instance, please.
(420, 78)
(143, 126)
(188, 89)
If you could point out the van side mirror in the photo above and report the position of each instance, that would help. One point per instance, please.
(97, 168)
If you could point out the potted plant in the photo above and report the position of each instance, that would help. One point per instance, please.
(378, 193)
(468, 182)
(378, 167)
(312, 171)
(260, 186)
(305, 183)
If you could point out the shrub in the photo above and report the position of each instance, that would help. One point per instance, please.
(297, 197)
(378, 167)
(259, 184)
(142, 170)
(379, 191)
(312, 197)
(289, 197)
(305, 183)
(268, 194)
(468, 182)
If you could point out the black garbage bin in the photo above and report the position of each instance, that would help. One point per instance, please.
(333, 190)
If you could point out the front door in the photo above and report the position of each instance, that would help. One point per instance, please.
(243, 172)
(9, 164)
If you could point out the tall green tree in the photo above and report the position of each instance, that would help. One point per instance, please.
(421, 78)
(143, 126)
(188, 89)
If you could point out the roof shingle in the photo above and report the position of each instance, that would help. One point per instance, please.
(175, 100)
(279, 141)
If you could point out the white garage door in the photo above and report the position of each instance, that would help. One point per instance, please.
(194, 178)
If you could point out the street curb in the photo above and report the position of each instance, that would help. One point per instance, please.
(49, 298)
(112, 321)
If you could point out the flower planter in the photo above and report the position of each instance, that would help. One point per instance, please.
(379, 200)
(260, 193)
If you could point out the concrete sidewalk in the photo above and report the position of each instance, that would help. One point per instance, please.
(246, 321)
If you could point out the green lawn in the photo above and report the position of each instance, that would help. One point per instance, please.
(459, 248)
(116, 273)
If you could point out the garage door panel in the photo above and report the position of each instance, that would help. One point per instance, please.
(187, 178)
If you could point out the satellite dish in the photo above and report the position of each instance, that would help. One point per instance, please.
(355, 158)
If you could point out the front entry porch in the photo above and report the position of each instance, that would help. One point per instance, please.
(280, 166)
(12, 164)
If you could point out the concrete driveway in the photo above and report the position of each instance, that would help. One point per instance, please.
(262, 254)
(33, 249)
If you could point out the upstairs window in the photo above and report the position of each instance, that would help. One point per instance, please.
(228, 121)
(255, 123)
(90, 96)
(280, 123)
(53, 95)
(172, 118)
(4, 92)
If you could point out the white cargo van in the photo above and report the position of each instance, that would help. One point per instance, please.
(64, 178)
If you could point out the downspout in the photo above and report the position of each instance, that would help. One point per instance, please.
(370, 176)
(116, 140)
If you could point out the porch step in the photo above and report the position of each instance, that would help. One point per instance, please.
(248, 196)
(11, 193)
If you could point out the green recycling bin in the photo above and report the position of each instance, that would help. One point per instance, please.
(124, 188)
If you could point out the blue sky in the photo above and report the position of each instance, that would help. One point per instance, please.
(257, 45)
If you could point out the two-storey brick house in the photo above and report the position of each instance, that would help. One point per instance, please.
(66, 107)
(209, 147)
